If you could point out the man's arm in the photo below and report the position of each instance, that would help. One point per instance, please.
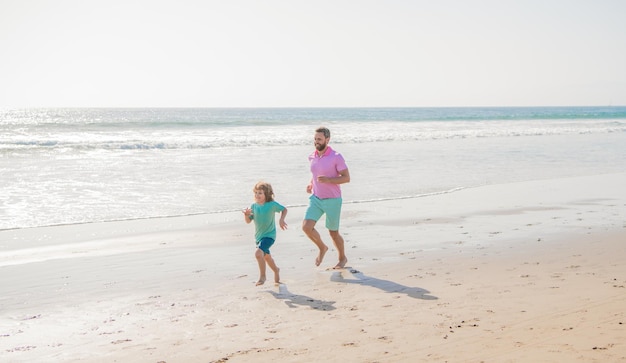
(344, 177)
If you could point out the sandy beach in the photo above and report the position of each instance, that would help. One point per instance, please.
(521, 272)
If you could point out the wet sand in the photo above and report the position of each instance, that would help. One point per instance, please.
(530, 271)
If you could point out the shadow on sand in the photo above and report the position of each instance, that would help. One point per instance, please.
(388, 286)
(293, 300)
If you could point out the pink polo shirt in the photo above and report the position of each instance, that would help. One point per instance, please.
(329, 164)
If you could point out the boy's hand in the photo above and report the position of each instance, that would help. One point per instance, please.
(283, 224)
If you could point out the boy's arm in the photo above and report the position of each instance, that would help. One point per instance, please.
(247, 215)
(281, 222)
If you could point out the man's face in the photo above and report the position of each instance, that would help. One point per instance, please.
(320, 141)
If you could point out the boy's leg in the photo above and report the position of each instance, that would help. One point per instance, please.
(272, 265)
(259, 255)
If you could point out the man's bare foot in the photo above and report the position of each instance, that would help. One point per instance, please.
(277, 276)
(320, 257)
(341, 264)
(261, 281)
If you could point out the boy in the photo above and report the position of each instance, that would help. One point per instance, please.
(262, 213)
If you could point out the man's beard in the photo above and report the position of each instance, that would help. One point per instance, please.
(320, 147)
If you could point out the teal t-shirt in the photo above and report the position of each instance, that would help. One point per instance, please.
(264, 221)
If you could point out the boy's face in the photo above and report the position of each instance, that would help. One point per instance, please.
(259, 196)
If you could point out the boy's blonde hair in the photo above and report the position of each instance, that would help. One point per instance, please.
(267, 190)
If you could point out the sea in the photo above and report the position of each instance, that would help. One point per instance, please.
(80, 165)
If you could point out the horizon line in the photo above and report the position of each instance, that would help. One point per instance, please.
(293, 107)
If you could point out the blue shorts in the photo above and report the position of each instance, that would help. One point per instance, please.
(331, 207)
(264, 244)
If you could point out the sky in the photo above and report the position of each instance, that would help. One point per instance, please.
(322, 53)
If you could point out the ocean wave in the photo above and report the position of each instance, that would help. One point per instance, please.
(348, 132)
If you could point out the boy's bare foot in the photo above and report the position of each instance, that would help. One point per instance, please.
(341, 264)
(320, 257)
(277, 276)
(261, 281)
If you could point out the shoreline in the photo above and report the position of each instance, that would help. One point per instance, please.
(298, 205)
(526, 271)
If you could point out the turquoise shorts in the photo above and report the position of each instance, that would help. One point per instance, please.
(331, 207)
(264, 244)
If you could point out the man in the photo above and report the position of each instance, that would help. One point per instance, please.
(329, 171)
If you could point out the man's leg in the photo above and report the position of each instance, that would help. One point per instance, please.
(341, 251)
(308, 227)
(333, 215)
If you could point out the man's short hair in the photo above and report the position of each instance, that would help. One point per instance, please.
(324, 130)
